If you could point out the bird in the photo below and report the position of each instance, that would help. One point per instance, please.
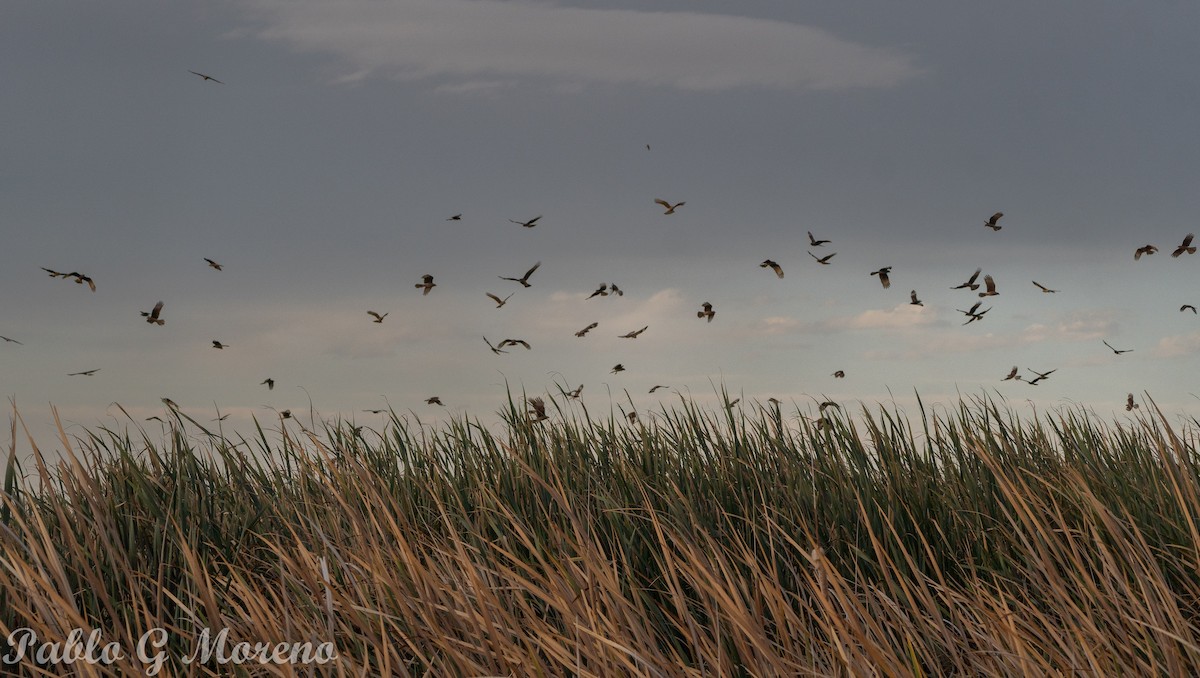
(539, 409)
(213, 264)
(991, 287)
(524, 280)
(79, 277)
(632, 416)
(207, 77)
(495, 350)
(514, 342)
(970, 283)
(456, 217)
(1040, 376)
(915, 301)
(1144, 249)
(840, 374)
(773, 266)
(427, 283)
(434, 400)
(991, 223)
(499, 302)
(824, 424)
(656, 387)
(85, 373)
(285, 414)
(616, 290)
(1117, 351)
(973, 316)
(218, 345)
(618, 368)
(1012, 375)
(1181, 310)
(1129, 404)
(11, 341)
(668, 206)
(378, 318)
(587, 329)
(269, 382)
(823, 260)
(1043, 288)
(223, 417)
(883, 276)
(576, 393)
(1185, 247)
(375, 411)
(152, 316)
(708, 311)
(813, 242)
(634, 334)
(527, 224)
(827, 404)
(601, 291)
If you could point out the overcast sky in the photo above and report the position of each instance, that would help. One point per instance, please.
(321, 173)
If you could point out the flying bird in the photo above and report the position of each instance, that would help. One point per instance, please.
(1185, 247)
(827, 404)
(600, 291)
(1012, 375)
(773, 266)
(823, 260)
(616, 290)
(539, 409)
(427, 283)
(618, 368)
(14, 341)
(524, 280)
(655, 388)
(1043, 288)
(1117, 351)
(1129, 404)
(883, 276)
(527, 224)
(378, 318)
(85, 373)
(813, 242)
(840, 374)
(218, 345)
(992, 223)
(1181, 310)
(587, 329)
(269, 382)
(708, 311)
(576, 393)
(991, 287)
(499, 302)
(972, 315)
(213, 264)
(456, 217)
(152, 316)
(1144, 249)
(495, 350)
(514, 342)
(434, 400)
(634, 334)
(668, 206)
(915, 301)
(375, 411)
(970, 283)
(207, 77)
(1040, 376)
(79, 277)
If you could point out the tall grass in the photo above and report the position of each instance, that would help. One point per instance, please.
(746, 541)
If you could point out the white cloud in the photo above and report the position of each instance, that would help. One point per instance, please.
(468, 39)
(1178, 345)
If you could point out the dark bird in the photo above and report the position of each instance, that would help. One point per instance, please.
(152, 316)
(539, 409)
(1115, 350)
(223, 417)
(427, 283)
(1144, 249)
(883, 276)
(991, 223)
(207, 77)
(219, 345)
(524, 280)
(972, 315)
(840, 374)
(824, 424)
(213, 264)
(970, 283)
(668, 206)
(813, 242)
(79, 277)
(378, 318)
(616, 290)
(618, 368)
(495, 350)
(375, 411)
(1043, 288)
(434, 400)
(1129, 404)
(991, 287)
(1185, 247)
(269, 382)
(823, 260)
(456, 217)
(527, 224)
(85, 373)
(1185, 307)
(634, 334)
(708, 311)
(1012, 375)
(576, 393)
(600, 291)
(915, 301)
(773, 266)
(1040, 376)
(587, 329)
(14, 341)
(655, 388)
(514, 342)
(285, 414)
(632, 416)
(827, 404)
(499, 302)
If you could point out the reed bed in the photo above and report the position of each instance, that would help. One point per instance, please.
(741, 541)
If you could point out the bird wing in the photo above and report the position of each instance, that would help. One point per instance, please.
(157, 309)
(991, 284)
(530, 271)
(1188, 240)
(662, 202)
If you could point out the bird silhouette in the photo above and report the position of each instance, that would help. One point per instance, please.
(1117, 351)
(616, 290)
(601, 291)
(827, 404)
(499, 302)
(434, 400)
(1012, 375)
(538, 411)
(375, 411)
(378, 318)
(1040, 376)
(495, 350)
(207, 77)
(527, 224)
(1043, 288)
(85, 373)
(152, 316)
(1144, 249)
(991, 287)
(773, 266)
(218, 345)
(972, 314)
(823, 260)
(576, 393)
(1129, 404)
(456, 217)
(708, 311)
(524, 280)
(883, 276)
(514, 342)
(634, 334)
(269, 382)
(813, 242)
(12, 341)
(915, 301)
(840, 374)
(1185, 307)
(213, 264)
(1185, 247)
(427, 283)
(992, 223)
(970, 283)
(587, 329)
(670, 209)
(617, 368)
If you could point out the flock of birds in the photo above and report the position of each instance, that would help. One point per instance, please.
(706, 312)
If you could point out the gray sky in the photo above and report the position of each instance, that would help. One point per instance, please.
(321, 172)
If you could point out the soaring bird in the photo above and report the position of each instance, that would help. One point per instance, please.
(434, 400)
(207, 77)
(427, 283)
(616, 290)
(539, 409)
(378, 318)
(656, 387)
(668, 206)
(495, 350)
(823, 260)
(991, 223)
(827, 404)
(85, 373)
(79, 277)
(1187, 307)
(499, 302)
(813, 242)
(1185, 247)
(840, 374)
(972, 314)
(524, 280)
(1129, 404)
(213, 264)
(970, 283)
(456, 217)
(773, 266)
(617, 368)
(915, 301)
(375, 411)
(883, 276)
(601, 291)
(527, 224)
(576, 393)
(152, 316)
(1043, 288)
(269, 382)
(708, 311)
(1012, 375)
(991, 287)
(1040, 376)
(514, 342)
(1117, 351)
(587, 329)
(1144, 249)
(14, 341)
(218, 345)
(634, 334)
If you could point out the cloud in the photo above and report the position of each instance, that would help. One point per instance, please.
(480, 40)
(1178, 345)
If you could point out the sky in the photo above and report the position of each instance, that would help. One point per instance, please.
(321, 171)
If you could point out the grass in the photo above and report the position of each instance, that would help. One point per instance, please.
(739, 542)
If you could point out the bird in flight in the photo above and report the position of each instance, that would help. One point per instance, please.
(587, 329)
(1012, 375)
(152, 316)
(634, 334)
(915, 301)
(973, 316)
(1129, 404)
(1185, 247)
(773, 266)
(85, 373)
(1117, 351)
(991, 287)
(499, 302)
(218, 345)
(378, 318)
(883, 276)
(1043, 288)
(840, 374)
(670, 209)
(813, 242)
(970, 283)
(600, 291)
(14, 341)
(456, 217)
(708, 311)
(434, 400)
(527, 224)
(823, 260)
(207, 77)
(616, 290)
(79, 277)
(1181, 310)
(269, 382)
(992, 223)
(427, 283)
(1040, 376)
(494, 349)
(515, 342)
(617, 368)
(375, 411)
(213, 264)
(655, 388)
(524, 280)
(539, 409)
(576, 393)
(1144, 249)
